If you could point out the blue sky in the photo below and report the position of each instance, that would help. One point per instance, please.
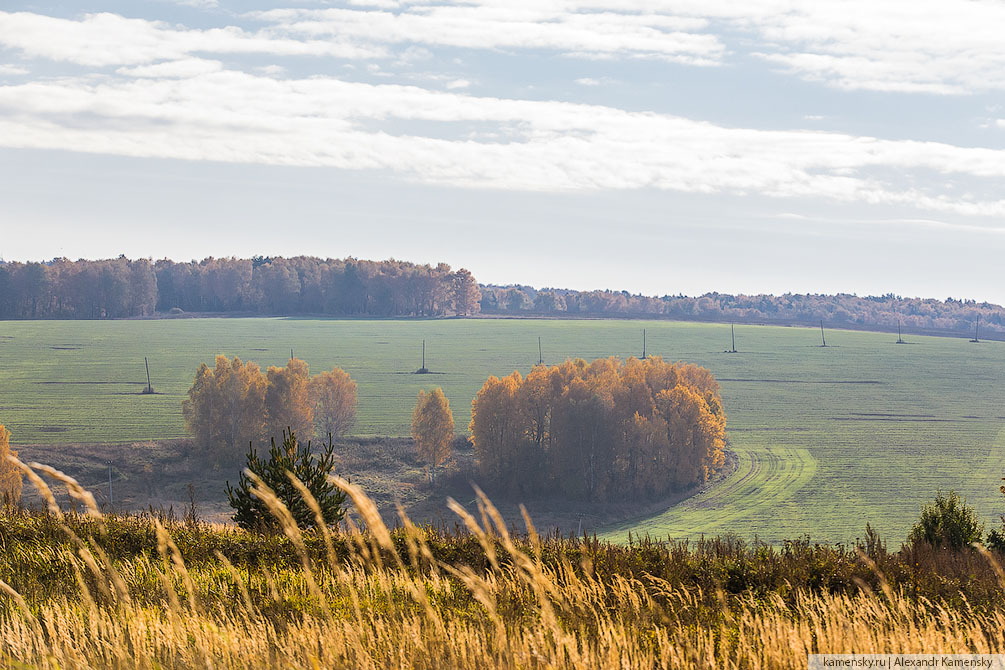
(658, 146)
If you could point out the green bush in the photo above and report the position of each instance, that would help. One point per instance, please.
(947, 522)
(251, 513)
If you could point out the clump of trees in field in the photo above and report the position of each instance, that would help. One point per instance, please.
(604, 430)
(235, 404)
(433, 429)
(10, 474)
(117, 288)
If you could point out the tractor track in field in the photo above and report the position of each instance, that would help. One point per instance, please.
(765, 478)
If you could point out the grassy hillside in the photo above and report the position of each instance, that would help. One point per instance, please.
(826, 437)
(134, 592)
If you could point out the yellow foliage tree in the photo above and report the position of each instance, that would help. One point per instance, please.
(496, 425)
(433, 429)
(333, 398)
(225, 408)
(601, 430)
(10, 474)
(287, 401)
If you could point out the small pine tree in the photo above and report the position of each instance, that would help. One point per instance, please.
(251, 513)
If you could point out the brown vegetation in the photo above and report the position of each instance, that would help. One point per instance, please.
(136, 592)
(235, 405)
(10, 475)
(433, 429)
(605, 430)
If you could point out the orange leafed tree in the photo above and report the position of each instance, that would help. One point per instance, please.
(225, 408)
(333, 398)
(10, 474)
(433, 429)
(604, 430)
(287, 401)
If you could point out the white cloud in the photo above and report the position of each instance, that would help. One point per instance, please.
(555, 26)
(201, 4)
(186, 67)
(6, 68)
(1000, 123)
(457, 83)
(593, 81)
(240, 117)
(928, 46)
(109, 39)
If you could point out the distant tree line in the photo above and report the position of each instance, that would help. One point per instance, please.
(841, 310)
(606, 430)
(122, 288)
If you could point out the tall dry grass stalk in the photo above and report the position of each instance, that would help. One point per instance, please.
(396, 606)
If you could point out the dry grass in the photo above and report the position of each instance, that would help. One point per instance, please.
(381, 606)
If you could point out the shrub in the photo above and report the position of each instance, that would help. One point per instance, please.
(251, 513)
(948, 522)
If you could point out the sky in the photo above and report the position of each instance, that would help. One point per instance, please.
(654, 146)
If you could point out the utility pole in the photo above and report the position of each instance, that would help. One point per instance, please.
(150, 389)
(291, 353)
(732, 332)
(900, 335)
(643, 344)
(540, 354)
(423, 354)
(977, 329)
(822, 338)
(111, 500)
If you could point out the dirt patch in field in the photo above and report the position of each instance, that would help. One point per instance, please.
(66, 348)
(53, 429)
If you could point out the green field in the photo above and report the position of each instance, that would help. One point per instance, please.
(827, 438)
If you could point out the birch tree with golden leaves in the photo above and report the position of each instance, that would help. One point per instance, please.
(288, 402)
(333, 399)
(433, 429)
(225, 408)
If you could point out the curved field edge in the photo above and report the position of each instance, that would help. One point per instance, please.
(765, 479)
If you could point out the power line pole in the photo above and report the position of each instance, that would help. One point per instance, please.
(540, 354)
(643, 344)
(822, 338)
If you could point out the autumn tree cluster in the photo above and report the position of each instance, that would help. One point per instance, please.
(235, 404)
(117, 288)
(606, 430)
